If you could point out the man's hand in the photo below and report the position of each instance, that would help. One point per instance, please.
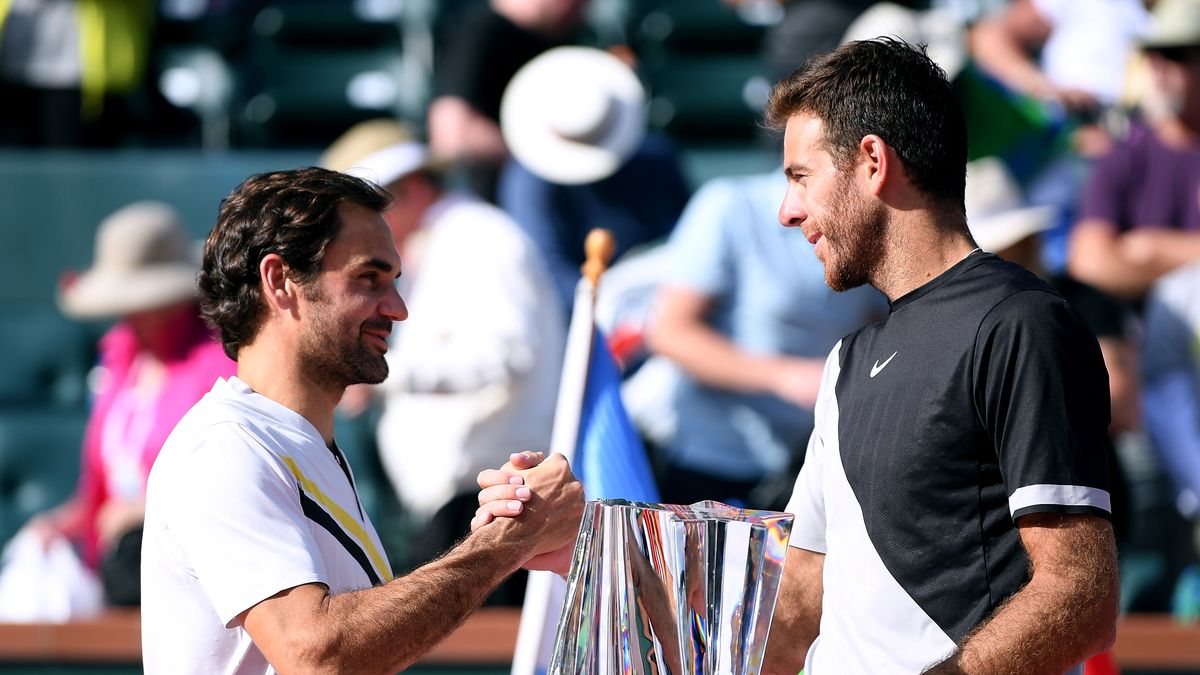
(543, 490)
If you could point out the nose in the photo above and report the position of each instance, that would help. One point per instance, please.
(394, 306)
(792, 212)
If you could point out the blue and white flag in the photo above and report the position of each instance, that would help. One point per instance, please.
(593, 431)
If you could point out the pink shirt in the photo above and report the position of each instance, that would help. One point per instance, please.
(124, 435)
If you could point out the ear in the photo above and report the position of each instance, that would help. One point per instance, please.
(279, 292)
(875, 163)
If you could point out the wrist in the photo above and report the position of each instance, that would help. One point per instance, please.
(503, 542)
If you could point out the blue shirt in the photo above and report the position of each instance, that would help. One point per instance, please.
(770, 298)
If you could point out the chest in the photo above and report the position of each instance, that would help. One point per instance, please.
(908, 416)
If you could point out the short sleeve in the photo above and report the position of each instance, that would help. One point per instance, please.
(702, 251)
(239, 521)
(808, 496)
(1042, 391)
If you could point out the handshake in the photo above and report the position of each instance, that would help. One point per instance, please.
(539, 502)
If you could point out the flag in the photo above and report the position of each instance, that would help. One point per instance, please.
(610, 459)
(593, 431)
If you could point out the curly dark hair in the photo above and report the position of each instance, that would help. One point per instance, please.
(889, 88)
(289, 213)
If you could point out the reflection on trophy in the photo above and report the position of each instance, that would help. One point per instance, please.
(661, 589)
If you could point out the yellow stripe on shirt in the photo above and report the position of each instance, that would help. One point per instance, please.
(348, 522)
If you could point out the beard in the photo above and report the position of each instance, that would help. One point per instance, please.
(332, 358)
(856, 247)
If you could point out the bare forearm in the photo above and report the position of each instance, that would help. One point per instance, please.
(1005, 58)
(797, 618)
(458, 131)
(1065, 614)
(387, 628)
(1127, 264)
(711, 358)
(1096, 258)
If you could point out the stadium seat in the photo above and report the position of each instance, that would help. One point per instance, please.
(308, 97)
(45, 359)
(707, 96)
(39, 462)
(323, 24)
(703, 25)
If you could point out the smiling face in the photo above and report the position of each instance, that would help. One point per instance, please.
(823, 201)
(351, 305)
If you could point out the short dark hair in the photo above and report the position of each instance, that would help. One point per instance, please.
(289, 213)
(889, 88)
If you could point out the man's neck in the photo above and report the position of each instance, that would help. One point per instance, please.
(920, 245)
(268, 373)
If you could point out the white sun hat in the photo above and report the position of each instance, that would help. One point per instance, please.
(573, 115)
(938, 28)
(144, 260)
(996, 212)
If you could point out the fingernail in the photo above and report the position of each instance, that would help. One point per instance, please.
(523, 493)
(514, 506)
(516, 480)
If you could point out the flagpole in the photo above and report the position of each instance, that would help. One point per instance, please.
(598, 248)
(545, 591)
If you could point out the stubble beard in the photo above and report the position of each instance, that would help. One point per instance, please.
(858, 244)
(338, 362)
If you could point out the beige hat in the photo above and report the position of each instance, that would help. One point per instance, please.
(996, 212)
(1175, 23)
(379, 150)
(144, 260)
(945, 35)
(573, 115)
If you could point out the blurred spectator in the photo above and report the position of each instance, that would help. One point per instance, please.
(745, 316)
(1071, 69)
(475, 374)
(478, 58)
(1074, 53)
(1171, 370)
(155, 363)
(574, 118)
(67, 68)
(807, 28)
(1139, 217)
(1171, 358)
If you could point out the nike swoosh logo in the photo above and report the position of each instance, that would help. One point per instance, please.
(878, 366)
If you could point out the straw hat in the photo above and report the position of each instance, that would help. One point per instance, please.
(379, 150)
(573, 115)
(1176, 23)
(144, 260)
(996, 212)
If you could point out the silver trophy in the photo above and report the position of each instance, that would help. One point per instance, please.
(660, 589)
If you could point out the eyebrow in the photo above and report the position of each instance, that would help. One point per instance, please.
(381, 265)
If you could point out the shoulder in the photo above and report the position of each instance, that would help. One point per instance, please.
(1139, 144)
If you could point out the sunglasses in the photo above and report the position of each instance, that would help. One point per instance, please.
(1177, 54)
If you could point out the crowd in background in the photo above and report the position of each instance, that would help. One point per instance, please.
(1084, 123)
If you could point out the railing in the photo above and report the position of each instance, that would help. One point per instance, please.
(1144, 641)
